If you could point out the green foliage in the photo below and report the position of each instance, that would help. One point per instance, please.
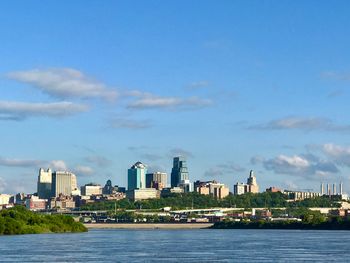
(19, 220)
(195, 200)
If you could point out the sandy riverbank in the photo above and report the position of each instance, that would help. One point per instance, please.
(149, 226)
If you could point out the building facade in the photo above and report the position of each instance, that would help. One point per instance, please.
(44, 184)
(179, 172)
(250, 187)
(63, 183)
(213, 188)
(91, 189)
(137, 176)
(156, 180)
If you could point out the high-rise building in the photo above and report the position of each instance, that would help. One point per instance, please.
(250, 187)
(63, 183)
(44, 183)
(108, 189)
(179, 172)
(156, 180)
(252, 184)
(137, 176)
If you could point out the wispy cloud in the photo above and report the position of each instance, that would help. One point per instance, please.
(151, 101)
(299, 123)
(12, 110)
(180, 152)
(198, 84)
(82, 170)
(64, 83)
(98, 160)
(336, 75)
(222, 169)
(3, 185)
(13, 162)
(126, 123)
(339, 154)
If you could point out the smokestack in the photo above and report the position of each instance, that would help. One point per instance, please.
(334, 189)
(341, 188)
(322, 188)
(328, 190)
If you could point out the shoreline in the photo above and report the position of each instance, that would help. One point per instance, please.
(148, 225)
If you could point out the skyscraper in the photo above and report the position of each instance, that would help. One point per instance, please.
(137, 176)
(63, 183)
(44, 183)
(252, 183)
(179, 172)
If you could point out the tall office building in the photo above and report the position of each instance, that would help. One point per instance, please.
(64, 183)
(179, 173)
(137, 176)
(44, 184)
(156, 180)
(252, 184)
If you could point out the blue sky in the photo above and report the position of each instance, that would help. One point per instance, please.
(94, 86)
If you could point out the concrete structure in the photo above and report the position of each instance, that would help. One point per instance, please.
(331, 191)
(142, 194)
(63, 183)
(253, 186)
(213, 188)
(62, 202)
(273, 189)
(156, 180)
(186, 185)
(34, 203)
(300, 195)
(44, 184)
(250, 187)
(179, 172)
(91, 189)
(239, 189)
(137, 176)
(108, 189)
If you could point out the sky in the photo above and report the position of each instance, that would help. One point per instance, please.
(94, 86)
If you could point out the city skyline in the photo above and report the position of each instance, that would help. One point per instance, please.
(233, 86)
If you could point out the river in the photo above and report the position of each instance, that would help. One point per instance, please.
(196, 245)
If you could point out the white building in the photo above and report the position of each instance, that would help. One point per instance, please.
(142, 194)
(5, 199)
(91, 189)
(64, 183)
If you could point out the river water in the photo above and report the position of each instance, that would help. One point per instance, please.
(199, 245)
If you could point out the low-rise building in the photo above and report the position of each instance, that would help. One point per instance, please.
(34, 203)
(300, 195)
(213, 188)
(142, 194)
(91, 189)
(5, 199)
(62, 202)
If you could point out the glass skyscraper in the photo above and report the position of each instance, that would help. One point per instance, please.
(137, 176)
(179, 173)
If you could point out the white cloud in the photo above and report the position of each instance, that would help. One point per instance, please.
(301, 165)
(12, 110)
(64, 83)
(58, 165)
(19, 162)
(151, 101)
